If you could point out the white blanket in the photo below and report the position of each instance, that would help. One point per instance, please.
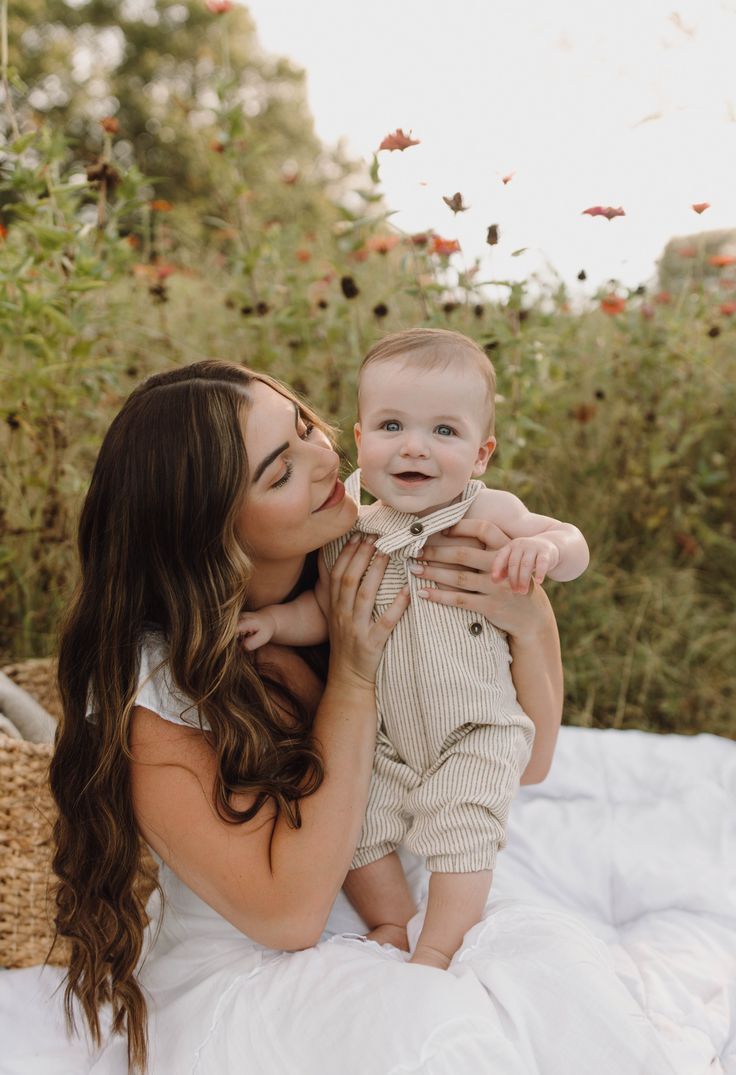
(609, 948)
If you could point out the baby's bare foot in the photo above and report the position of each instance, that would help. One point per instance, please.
(430, 957)
(390, 934)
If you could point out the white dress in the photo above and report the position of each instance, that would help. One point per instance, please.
(531, 992)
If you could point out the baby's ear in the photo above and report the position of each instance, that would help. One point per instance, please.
(356, 434)
(485, 452)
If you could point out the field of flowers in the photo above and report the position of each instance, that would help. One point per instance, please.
(618, 416)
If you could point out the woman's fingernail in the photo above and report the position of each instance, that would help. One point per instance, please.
(416, 569)
(354, 539)
(424, 594)
(370, 539)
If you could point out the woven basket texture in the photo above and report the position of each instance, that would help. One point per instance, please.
(27, 813)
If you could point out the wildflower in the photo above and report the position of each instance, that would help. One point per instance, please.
(662, 298)
(381, 244)
(492, 235)
(584, 412)
(647, 311)
(728, 308)
(688, 252)
(420, 239)
(160, 205)
(582, 275)
(455, 203)
(613, 304)
(448, 307)
(604, 210)
(110, 125)
(687, 543)
(349, 288)
(3, 232)
(398, 140)
(444, 247)
(380, 310)
(478, 310)
(262, 308)
(303, 255)
(714, 331)
(721, 260)
(219, 7)
(700, 207)
(217, 146)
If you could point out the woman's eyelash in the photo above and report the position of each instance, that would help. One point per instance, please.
(285, 476)
(307, 432)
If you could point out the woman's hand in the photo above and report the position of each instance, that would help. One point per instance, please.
(356, 639)
(461, 560)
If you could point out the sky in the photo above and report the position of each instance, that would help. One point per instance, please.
(630, 104)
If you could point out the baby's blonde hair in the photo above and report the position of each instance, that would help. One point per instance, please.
(435, 348)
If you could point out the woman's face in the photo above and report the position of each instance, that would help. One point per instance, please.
(296, 502)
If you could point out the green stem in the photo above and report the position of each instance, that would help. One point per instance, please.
(4, 63)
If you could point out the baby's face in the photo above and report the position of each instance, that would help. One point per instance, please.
(422, 434)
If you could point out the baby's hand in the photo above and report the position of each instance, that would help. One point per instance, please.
(256, 629)
(524, 557)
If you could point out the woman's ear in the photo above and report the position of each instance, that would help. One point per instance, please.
(485, 452)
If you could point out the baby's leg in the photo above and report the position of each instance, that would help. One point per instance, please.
(454, 904)
(381, 896)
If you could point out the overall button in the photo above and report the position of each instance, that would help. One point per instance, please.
(475, 628)
(416, 528)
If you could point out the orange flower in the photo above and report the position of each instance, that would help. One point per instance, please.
(303, 255)
(721, 260)
(217, 146)
(700, 207)
(584, 412)
(607, 211)
(160, 205)
(662, 298)
(687, 543)
(219, 7)
(381, 244)
(361, 254)
(728, 308)
(133, 240)
(398, 140)
(613, 304)
(110, 125)
(688, 252)
(3, 231)
(444, 247)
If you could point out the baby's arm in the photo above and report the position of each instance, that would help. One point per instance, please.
(301, 622)
(538, 545)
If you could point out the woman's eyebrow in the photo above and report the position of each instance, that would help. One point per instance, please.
(265, 463)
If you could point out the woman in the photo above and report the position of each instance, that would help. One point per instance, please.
(213, 489)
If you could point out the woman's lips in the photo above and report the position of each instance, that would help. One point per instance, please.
(334, 498)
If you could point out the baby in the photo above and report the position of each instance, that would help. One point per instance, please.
(452, 739)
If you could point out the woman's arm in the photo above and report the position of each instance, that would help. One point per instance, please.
(463, 560)
(273, 882)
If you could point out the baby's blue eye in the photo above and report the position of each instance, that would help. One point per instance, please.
(445, 431)
(391, 426)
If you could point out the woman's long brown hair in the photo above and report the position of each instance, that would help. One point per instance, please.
(159, 551)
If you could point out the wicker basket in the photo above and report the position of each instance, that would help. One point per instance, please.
(27, 813)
